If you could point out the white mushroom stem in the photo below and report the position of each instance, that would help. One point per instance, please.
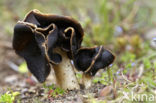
(64, 72)
(86, 80)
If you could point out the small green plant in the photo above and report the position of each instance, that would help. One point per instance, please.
(79, 75)
(8, 97)
(104, 79)
(155, 66)
(23, 68)
(128, 57)
(53, 91)
(57, 91)
(147, 63)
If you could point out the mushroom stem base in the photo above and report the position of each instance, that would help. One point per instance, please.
(65, 75)
(87, 80)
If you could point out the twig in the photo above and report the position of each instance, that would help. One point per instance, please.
(124, 77)
(12, 65)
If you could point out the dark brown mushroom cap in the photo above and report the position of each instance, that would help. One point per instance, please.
(30, 46)
(70, 32)
(90, 60)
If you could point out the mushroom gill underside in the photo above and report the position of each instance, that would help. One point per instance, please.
(38, 37)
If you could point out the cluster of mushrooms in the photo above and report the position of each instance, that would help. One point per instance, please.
(48, 42)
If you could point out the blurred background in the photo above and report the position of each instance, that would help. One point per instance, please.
(126, 27)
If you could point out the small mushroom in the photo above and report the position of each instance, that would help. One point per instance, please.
(90, 60)
(48, 42)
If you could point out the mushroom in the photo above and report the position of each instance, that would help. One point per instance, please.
(90, 60)
(48, 42)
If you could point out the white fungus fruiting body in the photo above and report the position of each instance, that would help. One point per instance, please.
(64, 72)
